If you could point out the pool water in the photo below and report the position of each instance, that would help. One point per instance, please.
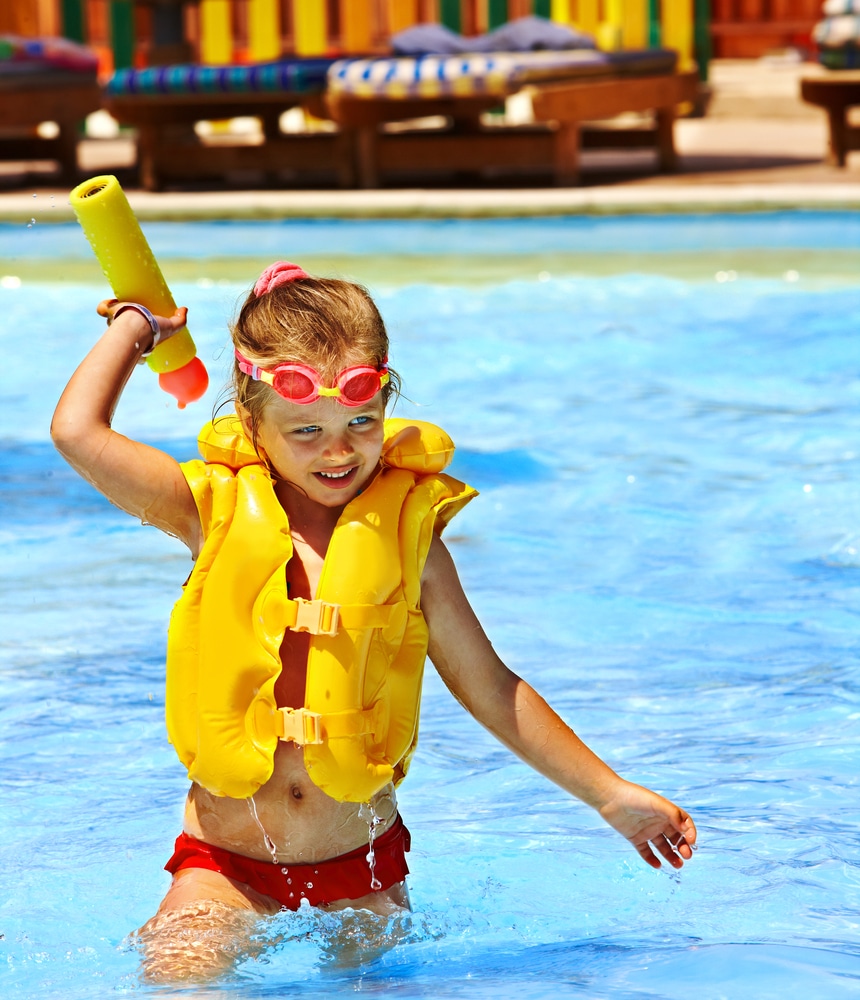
(667, 545)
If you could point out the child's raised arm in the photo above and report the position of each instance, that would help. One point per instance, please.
(142, 480)
(517, 716)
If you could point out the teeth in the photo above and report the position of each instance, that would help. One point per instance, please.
(335, 475)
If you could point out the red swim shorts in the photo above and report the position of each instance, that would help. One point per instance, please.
(347, 876)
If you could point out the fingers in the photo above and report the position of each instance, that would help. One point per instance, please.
(672, 846)
(684, 838)
(108, 308)
(105, 307)
(648, 856)
(687, 828)
(673, 850)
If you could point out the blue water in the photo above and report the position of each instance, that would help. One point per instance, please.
(808, 229)
(667, 545)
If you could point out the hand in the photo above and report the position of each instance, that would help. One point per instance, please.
(651, 823)
(167, 326)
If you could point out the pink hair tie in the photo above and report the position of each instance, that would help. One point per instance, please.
(276, 274)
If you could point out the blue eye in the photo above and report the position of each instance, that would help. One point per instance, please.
(310, 429)
(359, 421)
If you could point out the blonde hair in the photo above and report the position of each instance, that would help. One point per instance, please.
(327, 323)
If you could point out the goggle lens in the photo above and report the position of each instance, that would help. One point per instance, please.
(294, 385)
(359, 386)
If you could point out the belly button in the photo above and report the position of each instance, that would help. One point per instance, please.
(296, 792)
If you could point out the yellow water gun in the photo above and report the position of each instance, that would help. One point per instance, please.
(134, 275)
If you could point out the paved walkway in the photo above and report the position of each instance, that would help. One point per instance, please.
(758, 146)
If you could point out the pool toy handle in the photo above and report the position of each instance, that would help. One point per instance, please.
(133, 273)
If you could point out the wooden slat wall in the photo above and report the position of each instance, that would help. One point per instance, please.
(745, 29)
(29, 18)
(306, 27)
(738, 28)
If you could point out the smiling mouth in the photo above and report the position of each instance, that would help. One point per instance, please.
(338, 479)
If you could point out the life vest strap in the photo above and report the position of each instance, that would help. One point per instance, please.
(322, 618)
(299, 726)
(305, 728)
(316, 617)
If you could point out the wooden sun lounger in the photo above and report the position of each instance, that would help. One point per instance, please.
(835, 90)
(164, 103)
(569, 105)
(28, 100)
(594, 90)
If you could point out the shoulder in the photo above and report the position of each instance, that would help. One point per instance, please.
(439, 566)
(443, 600)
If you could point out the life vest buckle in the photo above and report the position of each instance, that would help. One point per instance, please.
(317, 617)
(301, 727)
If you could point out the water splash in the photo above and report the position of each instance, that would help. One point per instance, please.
(297, 944)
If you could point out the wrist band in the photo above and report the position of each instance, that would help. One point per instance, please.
(147, 315)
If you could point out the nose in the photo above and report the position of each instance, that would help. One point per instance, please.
(338, 447)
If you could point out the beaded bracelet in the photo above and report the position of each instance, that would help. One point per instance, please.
(147, 315)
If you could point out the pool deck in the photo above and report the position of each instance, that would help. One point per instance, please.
(758, 147)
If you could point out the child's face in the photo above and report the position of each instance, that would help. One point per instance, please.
(327, 450)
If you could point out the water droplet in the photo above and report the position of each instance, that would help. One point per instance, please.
(267, 840)
(368, 813)
(310, 885)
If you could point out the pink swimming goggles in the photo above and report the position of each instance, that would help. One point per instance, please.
(300, 383)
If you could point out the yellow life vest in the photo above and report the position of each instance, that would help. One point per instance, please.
(368, 637)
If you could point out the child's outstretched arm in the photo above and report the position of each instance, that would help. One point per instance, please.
(524, 722)
(140, 479)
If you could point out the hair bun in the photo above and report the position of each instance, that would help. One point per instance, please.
(276, 274)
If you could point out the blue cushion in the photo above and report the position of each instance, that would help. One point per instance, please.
(295, 76)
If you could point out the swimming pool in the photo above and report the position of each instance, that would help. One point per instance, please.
(663, 417)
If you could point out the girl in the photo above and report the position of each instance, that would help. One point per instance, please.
(315, 528)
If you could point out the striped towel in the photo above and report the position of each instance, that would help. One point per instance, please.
(494, 74)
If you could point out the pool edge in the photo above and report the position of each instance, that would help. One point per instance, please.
(647, 199)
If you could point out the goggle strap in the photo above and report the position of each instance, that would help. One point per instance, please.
(254, 371)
